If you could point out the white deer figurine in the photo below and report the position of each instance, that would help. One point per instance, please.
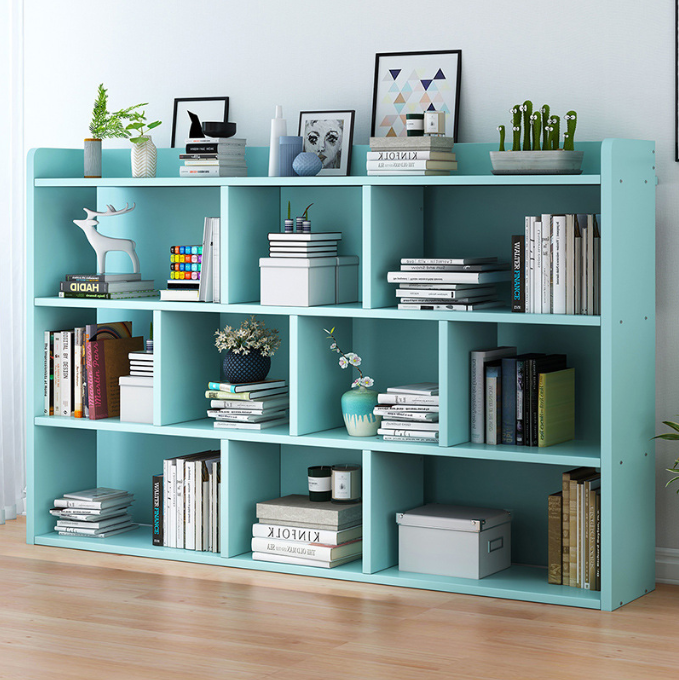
(104, 244)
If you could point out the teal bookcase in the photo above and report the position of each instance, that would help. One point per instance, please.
(382, 219)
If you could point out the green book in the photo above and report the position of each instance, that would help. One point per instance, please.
(556, 407)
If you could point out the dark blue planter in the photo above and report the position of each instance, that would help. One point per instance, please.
(240, 368)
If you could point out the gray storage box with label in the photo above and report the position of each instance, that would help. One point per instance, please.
(136, 399)
(307, 282)
(454, 540)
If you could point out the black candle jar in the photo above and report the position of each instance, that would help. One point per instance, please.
(320, 479)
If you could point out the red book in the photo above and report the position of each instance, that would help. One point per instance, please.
(106, 361)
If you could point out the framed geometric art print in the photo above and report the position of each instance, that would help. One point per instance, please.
(415, 82)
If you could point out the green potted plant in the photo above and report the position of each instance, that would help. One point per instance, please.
(105, 124)
(249, 349)
(359, 402)
(533, 159)
(670, 436)
(144, 153)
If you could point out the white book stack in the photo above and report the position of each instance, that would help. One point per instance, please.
(214, 157)
(95, 513)
(248, 406)
(141, 364)
(449, 284)
(398, 156)
(305, 245)
(410, 413)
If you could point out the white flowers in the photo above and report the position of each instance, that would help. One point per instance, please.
(363, 382)
(349, 359)
(252, 335)
(343, 362)
(354, 359)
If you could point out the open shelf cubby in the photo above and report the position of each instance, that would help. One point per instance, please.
(382, 219)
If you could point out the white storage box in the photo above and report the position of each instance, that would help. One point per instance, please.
(136, 399)
(454, 540)
(307, 282)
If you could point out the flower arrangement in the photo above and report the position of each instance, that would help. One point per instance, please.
(671, 436)
(252, 336)
(108, 124)
(349, 359)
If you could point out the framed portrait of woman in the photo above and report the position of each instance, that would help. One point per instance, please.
(328, 134)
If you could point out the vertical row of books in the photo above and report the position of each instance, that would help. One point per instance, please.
(410, 413)
(214, 157)
(574, 531)
(95, 513)
(186, 502)
(248, 406)
(521, 399)
(449, 284)
(556, 265)
(195, 269)
(82, 367)
(296, 530)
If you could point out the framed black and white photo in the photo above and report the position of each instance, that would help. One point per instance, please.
(415, 82)
(206, 108)
(329, 134)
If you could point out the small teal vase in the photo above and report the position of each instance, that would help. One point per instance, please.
(357, 410)
(240, 368)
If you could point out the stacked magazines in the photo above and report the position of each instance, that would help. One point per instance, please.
(97, 513)
(410, 413)
(248, 406)
(449, 283)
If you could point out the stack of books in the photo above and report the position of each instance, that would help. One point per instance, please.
(410, 413)
(96, 513)
(304, 245)
(141, 364)
(449, 284)
(185, 502)
(574, 531)
(214, 157)
(195, 269)
(523, 400)
(248, 406)
(82, 367)
(556, 265)
(393, 156)
(295, 530)
(106, 286)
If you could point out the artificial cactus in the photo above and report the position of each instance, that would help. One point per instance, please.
(527, 109)
(536, 120)
(501, 130)
(555, 135)
(516, 128)
(571, 121)
(545, 119)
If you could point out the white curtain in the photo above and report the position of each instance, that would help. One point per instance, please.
(12, 270)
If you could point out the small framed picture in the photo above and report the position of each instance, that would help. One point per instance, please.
(206, 108)
(415, 82)
(328, 134)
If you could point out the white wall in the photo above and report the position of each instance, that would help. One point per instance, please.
(610, 60)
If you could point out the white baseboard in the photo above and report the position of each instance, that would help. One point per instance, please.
(667, 565)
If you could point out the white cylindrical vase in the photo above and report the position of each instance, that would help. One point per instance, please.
(279, 128)
(92, 158)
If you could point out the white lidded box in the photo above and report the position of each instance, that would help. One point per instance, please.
(454, 540)
(136, 399)
(307, 282)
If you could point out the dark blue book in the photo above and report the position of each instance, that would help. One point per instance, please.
(522, 397)
(508, 431)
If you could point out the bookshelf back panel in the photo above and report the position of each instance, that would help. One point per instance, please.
(520, 488)
(129, 461)
(163, 217)
(480, 221)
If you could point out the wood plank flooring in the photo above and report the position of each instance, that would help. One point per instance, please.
(77, 615)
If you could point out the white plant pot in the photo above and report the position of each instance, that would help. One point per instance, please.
(144, 158)
(554, 162)
(92, 158)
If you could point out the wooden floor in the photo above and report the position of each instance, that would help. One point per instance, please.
(71, 615)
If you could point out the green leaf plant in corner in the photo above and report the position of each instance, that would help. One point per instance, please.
(107, 124)
(671, 436)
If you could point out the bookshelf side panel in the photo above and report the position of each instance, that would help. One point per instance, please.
(392, 229)
(392, 483)
(250, 474)
(627, 370)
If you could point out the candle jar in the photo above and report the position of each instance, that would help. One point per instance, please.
(320, 479)
(289, 226)
(306, 227)
(415, 124)
(346, 483)
(299, 224)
